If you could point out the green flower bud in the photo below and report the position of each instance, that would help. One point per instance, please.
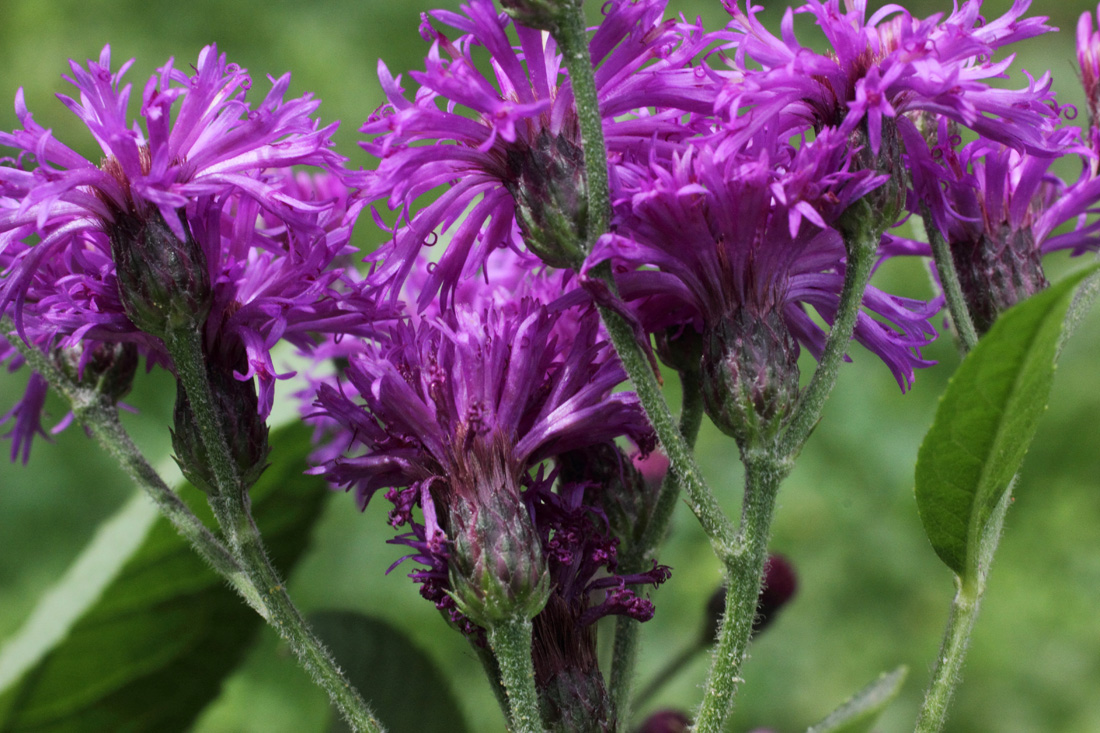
(162, 280)
(547, 182)
(750, 376)
(497, 566)
(244, 430)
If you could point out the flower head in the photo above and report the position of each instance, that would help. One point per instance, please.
(456, 410)
(734, 243)
(884, 69)
(508, 145)
(202, 170)
(998, 209)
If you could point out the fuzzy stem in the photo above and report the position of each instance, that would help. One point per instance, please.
(685, 471)
(960, 623)
(861, 245)
(511, 643)
(744, 573)
(231, 508)
(949, 281)
(639, 557)
(99, 416)
(571, 36)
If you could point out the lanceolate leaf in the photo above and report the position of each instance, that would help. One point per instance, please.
(152, 631)
(860, 712)
(985, 423)
(391, 671)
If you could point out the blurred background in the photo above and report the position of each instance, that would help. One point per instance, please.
(872, 593)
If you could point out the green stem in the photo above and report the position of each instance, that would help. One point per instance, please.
(572, 38)
(511, 643)
(99, 416)
(744, 573)
(949, 281)
(862, 245)
(185, 347)
(230, 505)
(641, 556)
(685, 471)
(960, 623)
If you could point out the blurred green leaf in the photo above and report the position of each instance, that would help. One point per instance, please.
(154, 631)
(862, 709)
(985, 423)
(391, 672)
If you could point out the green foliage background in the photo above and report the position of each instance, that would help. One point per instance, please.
(873, 594)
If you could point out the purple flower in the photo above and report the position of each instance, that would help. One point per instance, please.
(201, 165)
(998, 210)
(504, 141)
(452, 413)
(720, 237)
(886, 68)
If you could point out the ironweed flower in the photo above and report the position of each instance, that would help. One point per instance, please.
(735, 243)
(507, 145)
(453, 414)
(880, 70)
(998, 209)
(203, 175)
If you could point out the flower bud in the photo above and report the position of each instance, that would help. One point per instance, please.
(497, 567)
(244, 430)
(163, 281)
(547, 181)
(750, 376)
(543, 15)
(680, 348)
(998, 271)
(886, 204)
(107, 368)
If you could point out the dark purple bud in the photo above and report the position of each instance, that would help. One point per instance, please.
(626, 496)
(244, 429)
(497, 568)
(780, 585)
(681, 348)
(547, 180)
(666, 721)
(998, 271)
(750, 376)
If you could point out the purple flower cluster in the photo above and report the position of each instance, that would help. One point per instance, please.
(476, 388)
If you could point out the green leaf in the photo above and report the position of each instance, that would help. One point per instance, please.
(139, 633)
(985, 423)
(391, 672)
(862, 709)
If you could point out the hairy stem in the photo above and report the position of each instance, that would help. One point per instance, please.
(231, 508)
(744, 573)
(861, 244)
(572, 39)
(949, 281)
(640, 557)
(511, 643)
